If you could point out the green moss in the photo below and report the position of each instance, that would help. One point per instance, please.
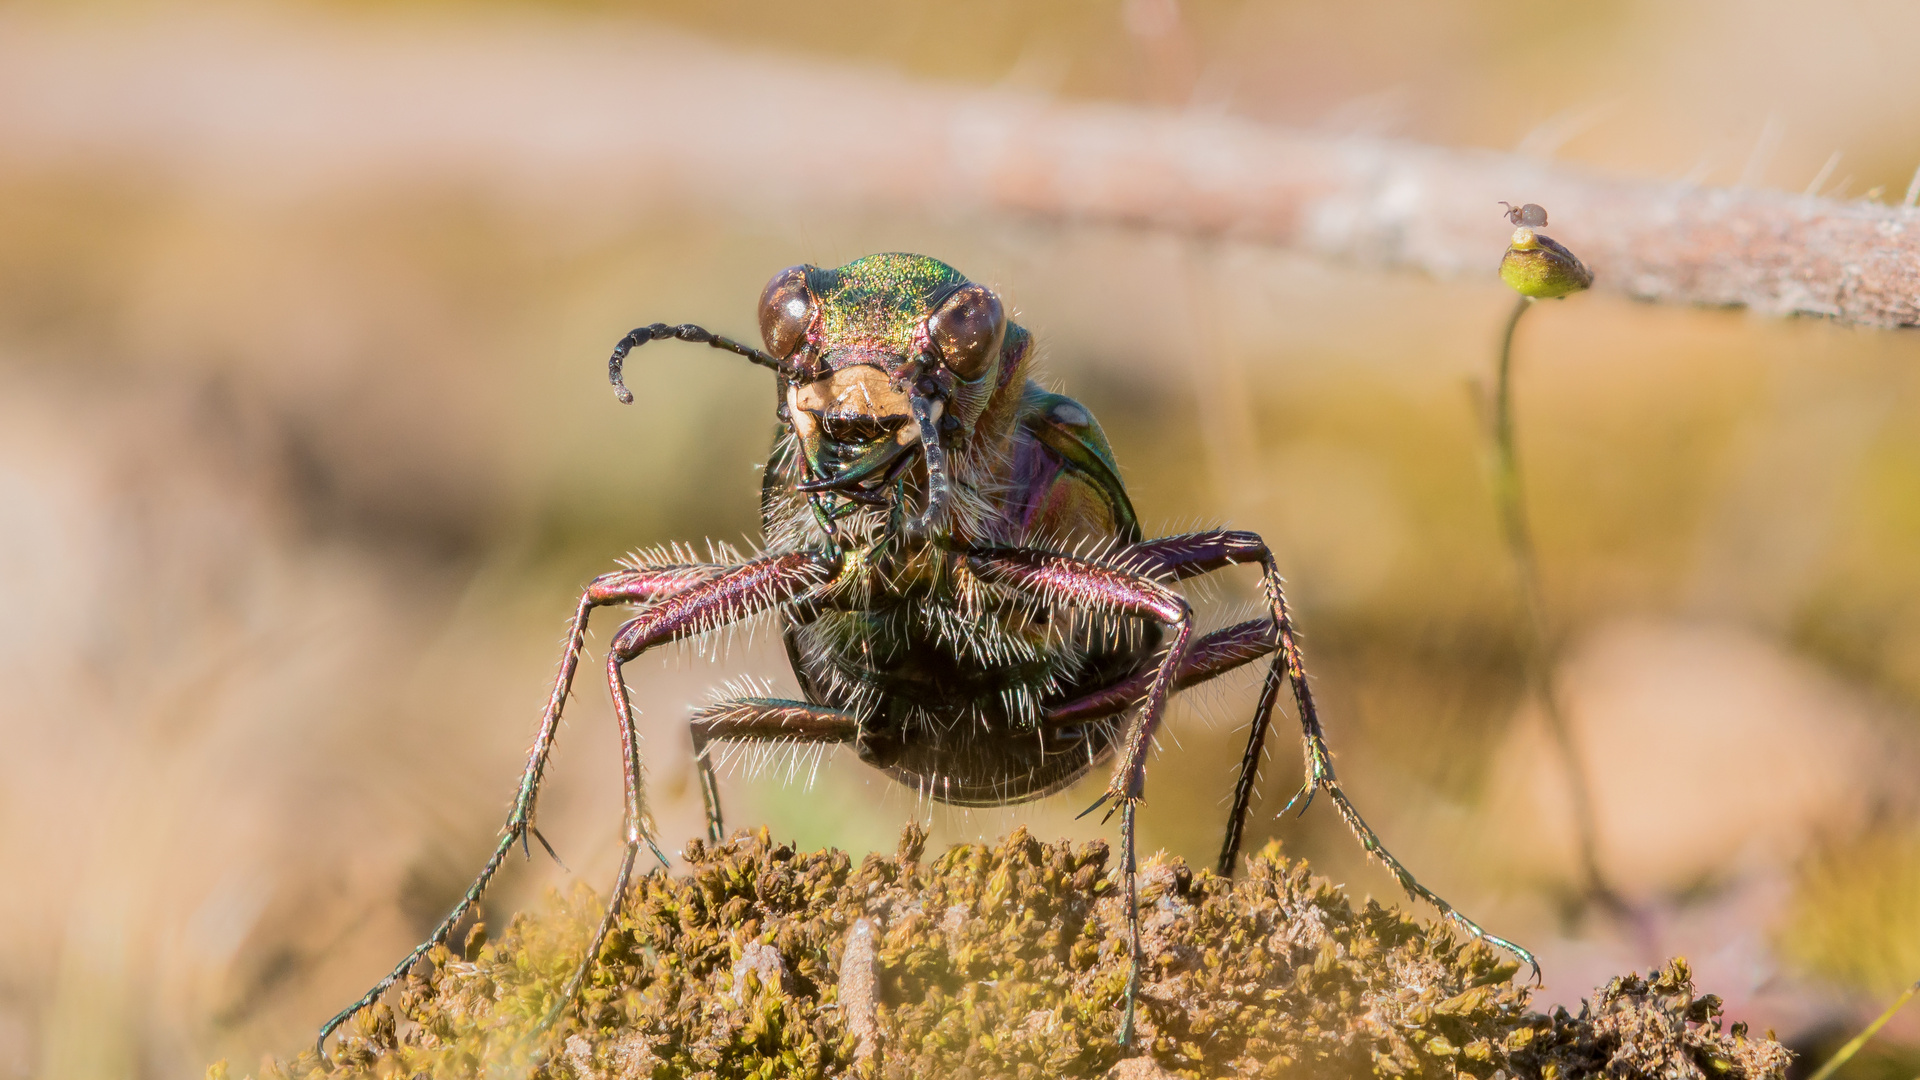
(1009, 962)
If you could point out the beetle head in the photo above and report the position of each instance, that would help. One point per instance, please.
(888, 354)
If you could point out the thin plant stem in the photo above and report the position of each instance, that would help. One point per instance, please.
(1510, 499)
(1845, 1053)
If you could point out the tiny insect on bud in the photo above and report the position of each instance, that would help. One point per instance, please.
(1539, 266)
(1530, 214)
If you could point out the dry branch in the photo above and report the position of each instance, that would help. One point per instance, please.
(604, 121)
(1399, 204)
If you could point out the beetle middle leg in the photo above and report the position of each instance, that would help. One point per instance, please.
(763, 719)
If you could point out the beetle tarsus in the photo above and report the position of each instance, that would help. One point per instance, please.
(612, 915)
(1130, 869)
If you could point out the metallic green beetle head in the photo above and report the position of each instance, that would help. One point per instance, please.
(884, 355)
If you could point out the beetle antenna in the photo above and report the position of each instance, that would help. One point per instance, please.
(683, 332)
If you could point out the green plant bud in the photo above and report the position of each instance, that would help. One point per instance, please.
(1539, 266)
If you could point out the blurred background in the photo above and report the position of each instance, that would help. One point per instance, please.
(306, 447)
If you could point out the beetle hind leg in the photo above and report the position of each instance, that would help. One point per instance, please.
(1319, 762)
(1194, 554)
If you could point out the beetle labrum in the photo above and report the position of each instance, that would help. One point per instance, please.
(962, 585)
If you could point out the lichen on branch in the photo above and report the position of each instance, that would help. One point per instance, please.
(1010, 961)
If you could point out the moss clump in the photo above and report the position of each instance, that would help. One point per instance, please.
(1009, 962)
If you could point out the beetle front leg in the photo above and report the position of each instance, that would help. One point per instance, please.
(619, 587)
(1062, 580)
(1076, 582)
(733, 594)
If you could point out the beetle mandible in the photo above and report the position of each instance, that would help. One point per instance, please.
(963, 589)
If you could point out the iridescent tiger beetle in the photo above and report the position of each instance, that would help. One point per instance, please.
(961, 582)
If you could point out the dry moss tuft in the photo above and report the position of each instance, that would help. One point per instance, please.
(1009, 962)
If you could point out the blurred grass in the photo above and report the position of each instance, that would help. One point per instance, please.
(1855, 921)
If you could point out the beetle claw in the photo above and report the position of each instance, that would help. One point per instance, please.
(551, 854)
(1307, 789)
(1097, 804)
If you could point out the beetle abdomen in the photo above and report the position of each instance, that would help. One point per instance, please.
(951, 701)
(977, 766)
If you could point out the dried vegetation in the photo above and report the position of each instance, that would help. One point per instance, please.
(763, 961)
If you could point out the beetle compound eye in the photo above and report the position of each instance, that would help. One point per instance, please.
(968, 330)
(785, 310)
